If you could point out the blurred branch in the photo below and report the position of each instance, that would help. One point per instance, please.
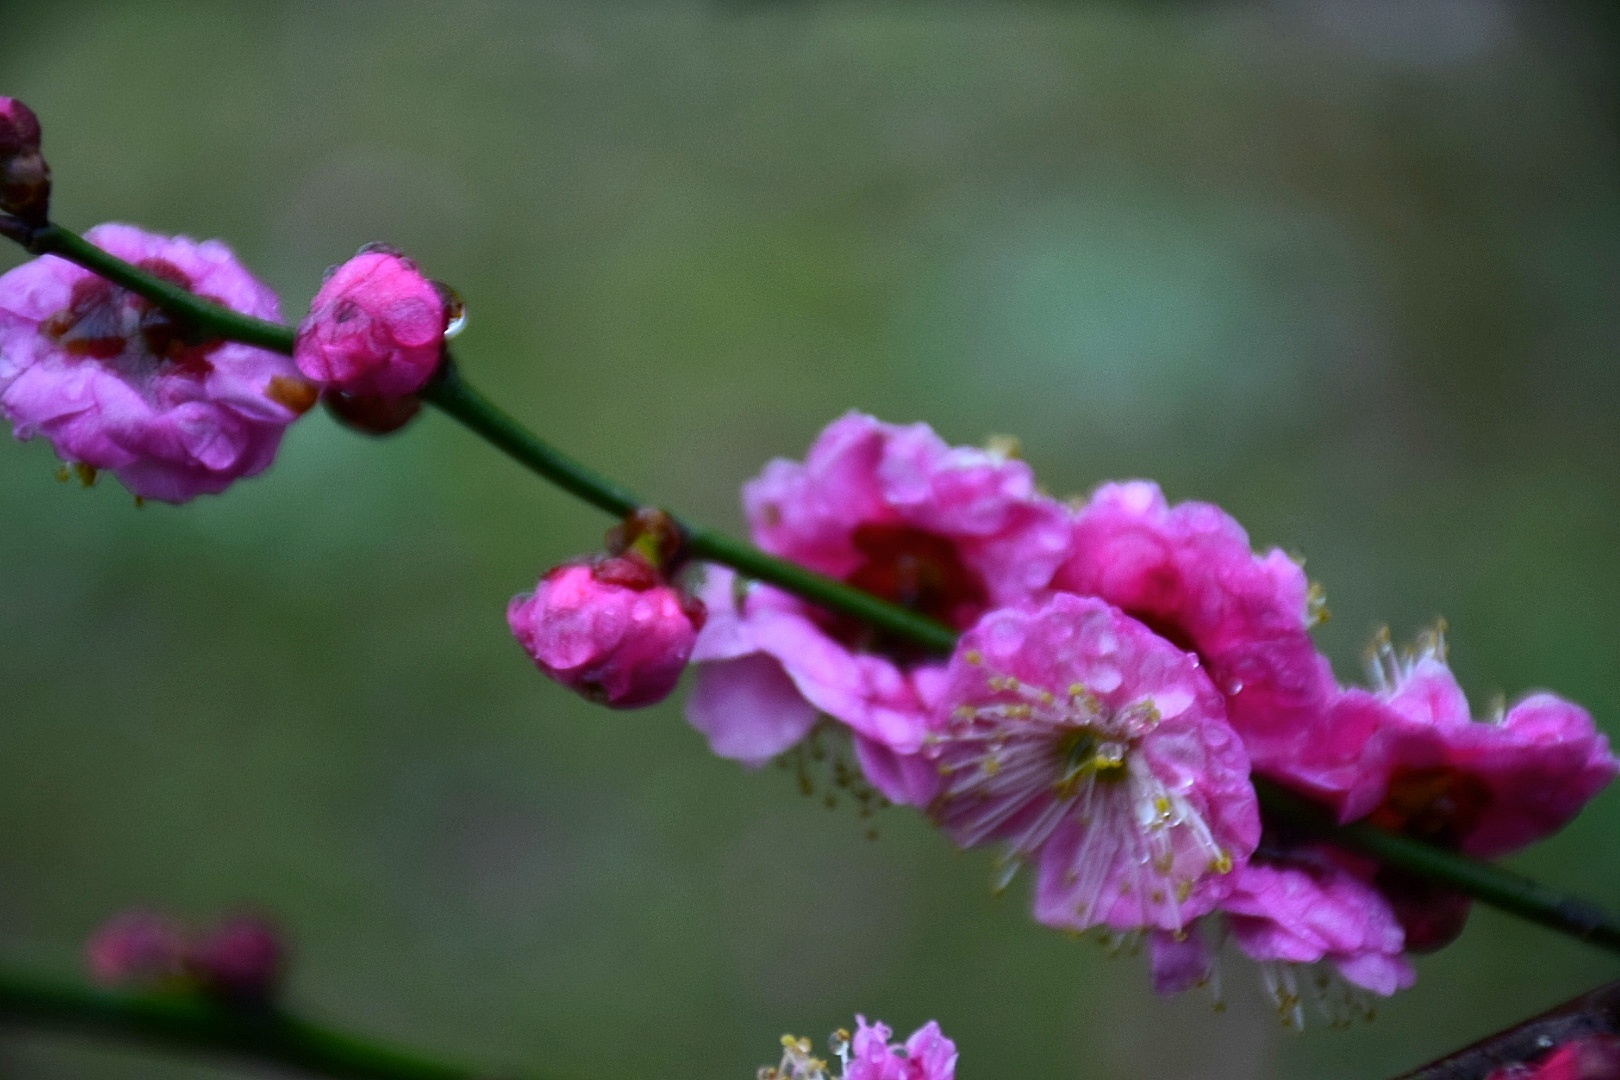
(1591, 1014)
(193, 1022)
(451, 393)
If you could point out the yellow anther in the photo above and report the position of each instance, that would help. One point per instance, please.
(1222, 863)
(1183, 890)
(1005, 447)
(991, 766)
(973, 656)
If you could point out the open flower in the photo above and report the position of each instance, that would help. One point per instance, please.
(1409, 757)
(116, 383)
(948, 532)
(1188, 573)
(869, 1055)
(1078, 738)
(1488, 787)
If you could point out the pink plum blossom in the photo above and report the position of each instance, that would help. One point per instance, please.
(948, 532)
(137, 948)
(1079, 738)
(1487, 788)
(926, 1055)
(1409, 757)
(240, 959)
(375, 329)
(115, 383)
(869, 1055)
(1188, 573)
(612, 629)
(1318, 929)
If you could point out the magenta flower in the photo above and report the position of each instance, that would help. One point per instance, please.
(241, 959)
(1319, 931)
(376, 328)
(926, 1055)
(1079, 738)
(137, 948)
(611, 629)
(946, 531)
(869, 1055)
(114, 383)
(1189, 574)
(1594, 1056)
(1486, 788)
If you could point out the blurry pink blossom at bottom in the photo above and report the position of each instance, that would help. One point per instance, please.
(1078, 738)
(611, 629)
(242, 958)
(1591, 1057)
(136, 948)
(115, 383)
(868, 1055)
(239, 959)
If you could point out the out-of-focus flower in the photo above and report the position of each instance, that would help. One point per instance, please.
(1590, 1057)
(25, 178)
(116, 383)
(137, 949)
(1079, 738)
(869, 1055)
(1188, 573)
(241, 959)
(612, 629)
(375, 329)
(948, 532)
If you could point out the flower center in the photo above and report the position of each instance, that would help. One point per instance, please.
(916, 569)
(136, 338)
(1086, 752)
(1439, 805)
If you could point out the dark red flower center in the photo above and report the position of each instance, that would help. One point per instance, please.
(916, 569)
(1440, 805)
(102, 322)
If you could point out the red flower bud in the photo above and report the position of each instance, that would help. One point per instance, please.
(25, 178)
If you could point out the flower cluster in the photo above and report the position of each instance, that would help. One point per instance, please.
(868, 1055)
(118, 383)
(1126, 668)
(240, 959)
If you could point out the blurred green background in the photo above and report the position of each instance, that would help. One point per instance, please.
(1348, 267)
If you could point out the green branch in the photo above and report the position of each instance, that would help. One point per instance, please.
(452, 394)
(192, 1022)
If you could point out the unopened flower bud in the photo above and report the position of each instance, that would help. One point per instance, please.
(376, 328)
(371, 415)
(241, 960)
(137, 949)
(612, 629)
(25, 178)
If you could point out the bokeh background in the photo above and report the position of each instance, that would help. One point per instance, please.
(1348, 267)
